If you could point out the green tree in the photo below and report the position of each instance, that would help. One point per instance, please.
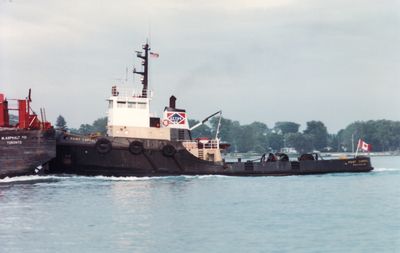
(74, 131)
(229, 131)
(100, 125)
(333, 142)
(383, 135)
(274, 141)
(86, 129)
(253, 137)
(318, 133)
(285, 127)
(61, 123)
(201, 131)
(301, 142)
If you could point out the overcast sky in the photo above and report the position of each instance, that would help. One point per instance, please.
(337, 61)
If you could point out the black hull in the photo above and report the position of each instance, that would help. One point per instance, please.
(25, 152)
(79, 155)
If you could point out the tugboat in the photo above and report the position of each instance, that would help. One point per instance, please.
(26, 147)
(138, 143)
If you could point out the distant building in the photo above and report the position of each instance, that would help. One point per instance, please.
(288, 150)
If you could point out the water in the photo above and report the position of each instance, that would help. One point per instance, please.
(322, 213)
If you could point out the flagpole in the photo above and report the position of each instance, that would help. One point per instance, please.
(358, 144)
(352, 143)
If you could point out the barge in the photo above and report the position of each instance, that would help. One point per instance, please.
(27, 146)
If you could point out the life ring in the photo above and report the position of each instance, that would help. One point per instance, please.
(169, 150)
(165, 122)
(136, 148)
(103, 146)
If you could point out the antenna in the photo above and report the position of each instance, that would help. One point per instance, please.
(134, 84)
(149, 32)
(126, 74)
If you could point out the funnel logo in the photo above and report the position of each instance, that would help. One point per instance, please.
(176, 118)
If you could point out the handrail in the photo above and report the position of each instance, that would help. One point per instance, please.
(124, 91)
(211, 144)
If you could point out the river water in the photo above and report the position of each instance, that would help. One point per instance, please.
(315, 213)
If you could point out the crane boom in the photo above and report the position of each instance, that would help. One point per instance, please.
(204, 120)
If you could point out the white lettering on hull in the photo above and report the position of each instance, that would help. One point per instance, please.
(14, 139)
(14, 142)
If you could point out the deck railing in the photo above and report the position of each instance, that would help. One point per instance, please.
(211, 144)
(124, 91)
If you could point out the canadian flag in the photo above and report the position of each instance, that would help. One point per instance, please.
(364, 146)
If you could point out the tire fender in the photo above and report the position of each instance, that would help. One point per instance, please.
(136, 147)
(103, 146)
(169, 150)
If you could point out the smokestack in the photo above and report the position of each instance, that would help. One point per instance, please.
(172, 101)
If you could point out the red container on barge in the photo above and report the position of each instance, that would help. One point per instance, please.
(26, 146)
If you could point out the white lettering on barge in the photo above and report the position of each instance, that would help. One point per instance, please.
(14, 139)
(14, 142)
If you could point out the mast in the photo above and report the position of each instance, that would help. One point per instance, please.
(145, 64)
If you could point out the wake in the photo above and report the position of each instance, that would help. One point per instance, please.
(386, 169)
(56, 178)
(30, 179)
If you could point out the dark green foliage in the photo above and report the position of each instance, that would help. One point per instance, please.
(201, 131)
(383, 135)
(99, 126)
(86, 129)
(318, 133)
(285, 127)
(274, 141)
(301, 142)
(229, 131)
(333, 143)
(61, 123)
(73, 131)
(253, 137)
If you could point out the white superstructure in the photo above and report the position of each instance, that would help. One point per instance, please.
(129, 111)
(129, 117)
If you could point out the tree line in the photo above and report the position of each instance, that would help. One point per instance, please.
(383, 135)
(99, 126)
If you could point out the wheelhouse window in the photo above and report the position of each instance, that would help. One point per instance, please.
(141, 105)
(121, 104)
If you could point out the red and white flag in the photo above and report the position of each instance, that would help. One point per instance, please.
(364, 146)
(155, 55)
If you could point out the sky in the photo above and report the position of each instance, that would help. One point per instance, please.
(337, 61)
